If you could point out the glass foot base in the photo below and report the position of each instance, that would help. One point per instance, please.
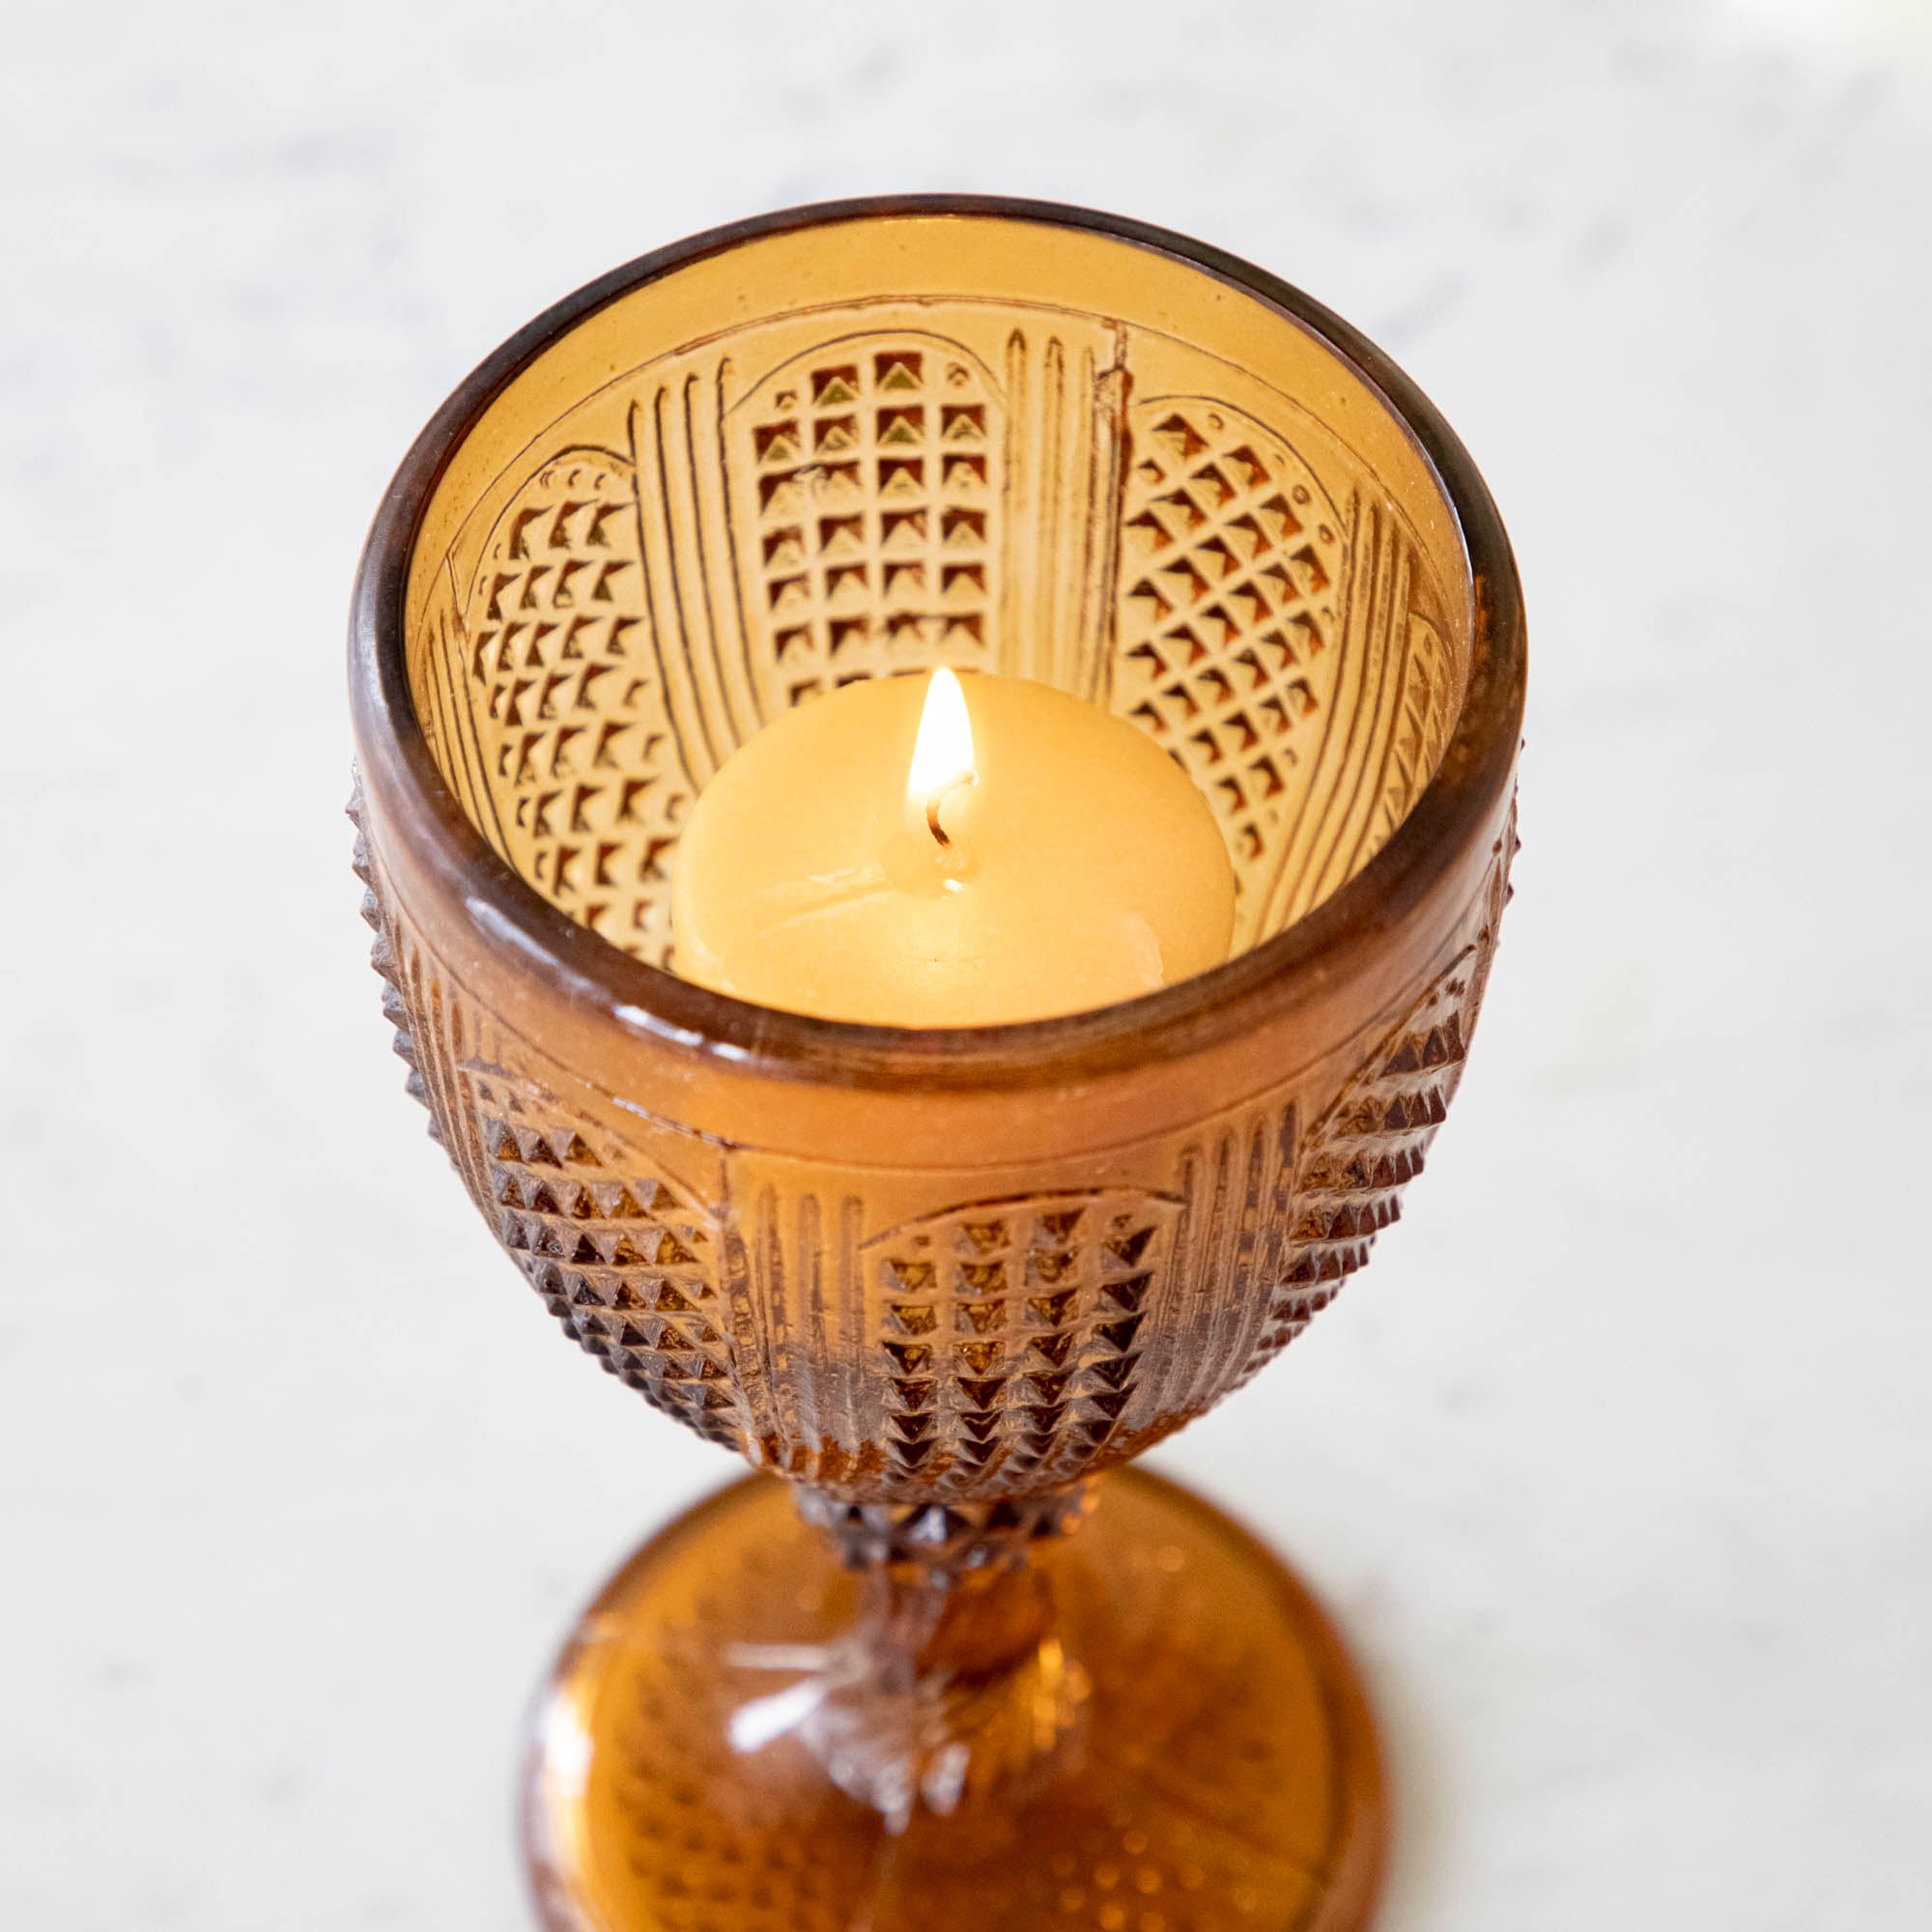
(1221, 1775)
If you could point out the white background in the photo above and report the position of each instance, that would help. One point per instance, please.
(1615, 1465)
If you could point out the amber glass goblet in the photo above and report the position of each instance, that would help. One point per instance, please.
(944, 1284)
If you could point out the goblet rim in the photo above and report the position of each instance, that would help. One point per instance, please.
(1457, 808)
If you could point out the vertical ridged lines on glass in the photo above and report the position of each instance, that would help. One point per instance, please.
(1226, 654)
(819, 1399)
(1235, 1186)
(1066, 391)
(781, 1436)
(690, 593)
(1425, 711)
(1393, 700)
(440, 675)
(1090, 668)
(742, 1319)
(867, 485)
(856, 1406)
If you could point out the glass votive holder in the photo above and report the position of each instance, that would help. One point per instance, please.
(939, 1280)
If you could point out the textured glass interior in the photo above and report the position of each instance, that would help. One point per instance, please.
(904, 441)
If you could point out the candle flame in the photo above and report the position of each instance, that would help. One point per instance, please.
(942, 755)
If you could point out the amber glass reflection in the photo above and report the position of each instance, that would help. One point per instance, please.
(938, 1280)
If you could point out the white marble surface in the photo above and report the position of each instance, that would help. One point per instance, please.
(1616, 1464)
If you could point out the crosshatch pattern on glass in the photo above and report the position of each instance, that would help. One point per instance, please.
(874, 482)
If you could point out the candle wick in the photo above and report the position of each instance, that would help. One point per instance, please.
(934, 800)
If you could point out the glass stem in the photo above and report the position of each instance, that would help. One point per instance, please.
(951, 1686)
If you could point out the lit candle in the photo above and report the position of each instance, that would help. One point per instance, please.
(915, 851)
